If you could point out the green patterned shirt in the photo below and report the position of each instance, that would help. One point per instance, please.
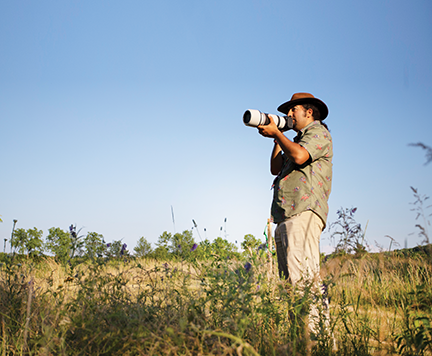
(306, 187)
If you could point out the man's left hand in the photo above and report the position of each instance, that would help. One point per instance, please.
(270, 130)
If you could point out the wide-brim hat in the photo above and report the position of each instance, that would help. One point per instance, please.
(304, 98)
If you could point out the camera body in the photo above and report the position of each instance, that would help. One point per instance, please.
(255, 118)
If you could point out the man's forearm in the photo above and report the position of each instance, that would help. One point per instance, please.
(294, 151)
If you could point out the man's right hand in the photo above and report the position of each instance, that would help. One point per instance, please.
(295, 152)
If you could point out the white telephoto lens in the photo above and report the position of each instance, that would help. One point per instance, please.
(279, 121)
(254, 118)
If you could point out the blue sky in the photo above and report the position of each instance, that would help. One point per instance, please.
(114, 111)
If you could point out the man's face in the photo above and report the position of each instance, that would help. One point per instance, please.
(301, 117)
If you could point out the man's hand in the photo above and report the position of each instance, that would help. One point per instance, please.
(270, 130)
(296, 153)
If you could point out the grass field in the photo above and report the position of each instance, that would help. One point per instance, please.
(380, 304)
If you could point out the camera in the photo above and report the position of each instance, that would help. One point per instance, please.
(255, 118)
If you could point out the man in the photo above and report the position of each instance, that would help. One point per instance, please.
(301, 189)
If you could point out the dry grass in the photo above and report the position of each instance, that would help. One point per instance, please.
(151, 307)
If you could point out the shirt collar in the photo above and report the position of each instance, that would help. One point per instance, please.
(301, 132)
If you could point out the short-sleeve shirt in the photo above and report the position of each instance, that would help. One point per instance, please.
(306, 187)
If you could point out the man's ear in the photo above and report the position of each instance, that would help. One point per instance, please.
(309, 113)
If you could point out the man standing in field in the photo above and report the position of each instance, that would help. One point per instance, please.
(303, 167)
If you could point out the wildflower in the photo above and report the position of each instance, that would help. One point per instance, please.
(324, 289)
(123, 249)
(247, 266)
(194, 247)
(262, 247)
(108, 245)
(165, 265)
(179, 247)
(72, 230)
(258, 287)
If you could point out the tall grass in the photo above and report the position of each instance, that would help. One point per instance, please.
(383, 293)
(380, 304)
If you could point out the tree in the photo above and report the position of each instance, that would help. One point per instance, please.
(28, 242)
(223, 248)
(177, 245)
(181, 244)
(164, 240)
(250, 241)
(204, 250)
(162, 246)
(94, 245)
(59, 243)
(117, 249)
(143, 248)
(161, 253)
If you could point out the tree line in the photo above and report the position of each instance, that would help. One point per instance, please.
(66, 245)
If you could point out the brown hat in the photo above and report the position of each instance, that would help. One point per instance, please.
(304, 98)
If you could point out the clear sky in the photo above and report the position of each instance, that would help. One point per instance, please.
(112, 112)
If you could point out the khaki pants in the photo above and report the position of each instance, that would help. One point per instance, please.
(297, 246)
